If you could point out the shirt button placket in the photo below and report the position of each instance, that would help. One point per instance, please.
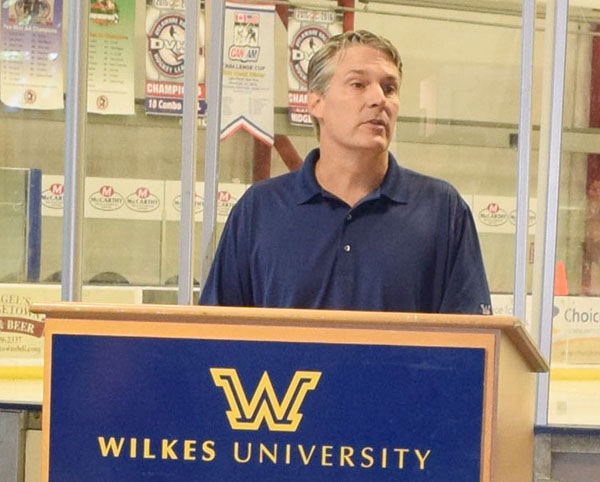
(347, 247)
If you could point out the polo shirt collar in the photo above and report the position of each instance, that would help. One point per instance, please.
(393, 186)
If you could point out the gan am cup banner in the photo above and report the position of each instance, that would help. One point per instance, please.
(248, 71)
(308, 30)
(165, 51)
(110, 57)
(30, 59)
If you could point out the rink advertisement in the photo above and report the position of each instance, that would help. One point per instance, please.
(110, 57)
(248, 71)
(308, 30)
(31, 59)
(128, 401)
(136, 199)
(165, 50)
(21, 332)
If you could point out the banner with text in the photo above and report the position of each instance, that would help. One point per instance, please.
(30, 60)
(308, 30)
(165, 31)
(248, 71)
(110, 57)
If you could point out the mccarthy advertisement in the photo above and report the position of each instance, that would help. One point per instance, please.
(191, 409)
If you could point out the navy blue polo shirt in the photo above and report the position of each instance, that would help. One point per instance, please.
(410, 246)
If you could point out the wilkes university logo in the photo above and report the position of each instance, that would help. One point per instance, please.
(244, 414)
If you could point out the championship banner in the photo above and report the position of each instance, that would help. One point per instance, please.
(165, 31)
(110, 57)
(248, 71)
(308, 30)
(31, 61)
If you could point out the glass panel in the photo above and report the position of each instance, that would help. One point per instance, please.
(133, 193)
(575, 360)
(17, 227)
(459, 106)
(32, 61)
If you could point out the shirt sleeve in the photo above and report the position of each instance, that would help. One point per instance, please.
(467, 288)
(228, 282)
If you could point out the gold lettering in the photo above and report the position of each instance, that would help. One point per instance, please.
(326, 455)
(133, 447)
(422, 458)
(263, 450)
(167, 451)
(236, 454)
(366, 455)
(383, 458)
(401, 453)
(147, 453)
(346, 454)
(288, 453)
(189, 450)
(208, 450)
(111, 446)
(303, 456)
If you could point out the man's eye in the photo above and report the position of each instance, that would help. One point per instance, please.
(390, 89)
(357, 85)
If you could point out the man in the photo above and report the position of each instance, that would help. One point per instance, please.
(351, 229)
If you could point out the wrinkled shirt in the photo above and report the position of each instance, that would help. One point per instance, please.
(409, 246)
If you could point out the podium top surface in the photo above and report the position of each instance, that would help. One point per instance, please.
(509, 326)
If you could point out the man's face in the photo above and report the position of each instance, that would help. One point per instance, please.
(359, 108)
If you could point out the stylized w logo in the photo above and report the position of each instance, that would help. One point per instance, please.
(264, 405)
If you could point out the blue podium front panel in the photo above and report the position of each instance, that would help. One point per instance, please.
(149, 409)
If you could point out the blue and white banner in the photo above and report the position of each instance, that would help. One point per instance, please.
(248, 71)
(31, 55)
(308, 30)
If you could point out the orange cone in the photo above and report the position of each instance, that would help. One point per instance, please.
(561, 288)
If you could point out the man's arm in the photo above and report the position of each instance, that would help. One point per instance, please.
(228, 282)
(467, 289)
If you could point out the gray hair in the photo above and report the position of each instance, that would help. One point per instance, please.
(320, 66)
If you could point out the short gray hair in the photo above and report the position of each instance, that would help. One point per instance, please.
(320, 66)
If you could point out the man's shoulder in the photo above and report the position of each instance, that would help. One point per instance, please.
(279, 185)
(263, 194)
(422, 184)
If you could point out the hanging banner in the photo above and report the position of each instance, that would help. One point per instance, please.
(110, 57)
(248, 66)
(308, 30)
(165, 31)
(31, 60)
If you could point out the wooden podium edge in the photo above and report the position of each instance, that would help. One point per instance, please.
(510, 326)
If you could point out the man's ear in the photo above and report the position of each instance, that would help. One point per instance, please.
(314, 104)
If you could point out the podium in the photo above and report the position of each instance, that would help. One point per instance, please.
(176, 393)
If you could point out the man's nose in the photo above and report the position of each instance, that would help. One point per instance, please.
(376, 96)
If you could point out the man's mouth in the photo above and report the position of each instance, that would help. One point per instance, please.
(377, 122)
